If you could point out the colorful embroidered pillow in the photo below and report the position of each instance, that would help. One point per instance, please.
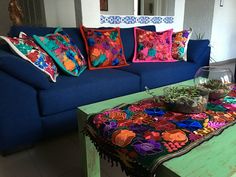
(63, 50)
(180, 43)
(104, 48)
(152, 46)
(26, 48)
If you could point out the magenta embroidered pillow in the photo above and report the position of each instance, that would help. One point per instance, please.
(104, 48)
(180, 43)
(27, 49)
(152, 46)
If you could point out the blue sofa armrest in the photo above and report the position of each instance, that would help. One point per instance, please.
(199, 52)
(22, 70)
(20, 123)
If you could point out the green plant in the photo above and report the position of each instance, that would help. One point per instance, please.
(149, 92)
(181, 94)
(214, 84)
(186, 99)
(199, 36)
(217, 89)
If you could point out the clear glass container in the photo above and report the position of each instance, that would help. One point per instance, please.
(217, 80)
(185, 99)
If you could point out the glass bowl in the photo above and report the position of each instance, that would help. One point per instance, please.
(217, 80)
(185, 99)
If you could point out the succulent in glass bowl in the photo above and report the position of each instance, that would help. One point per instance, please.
(185, 99)
(217, 80)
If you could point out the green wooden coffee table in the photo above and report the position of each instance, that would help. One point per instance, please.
(213, 158)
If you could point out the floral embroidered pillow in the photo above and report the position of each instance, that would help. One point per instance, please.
(104, 48)
(27, 49)
(64, 51)
(152, 46)
(180, 43)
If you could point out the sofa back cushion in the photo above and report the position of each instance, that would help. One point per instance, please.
(22, 69)
(197, 49)
(74, 33)
(127, 36)
(27, 49)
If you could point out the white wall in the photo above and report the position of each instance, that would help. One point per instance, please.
(90, 13)
(199, 16)
(117, 7)
(223, 31)
(60, 13)
(179, 15)
(218, 24)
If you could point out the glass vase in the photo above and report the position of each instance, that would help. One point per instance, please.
(217, 80)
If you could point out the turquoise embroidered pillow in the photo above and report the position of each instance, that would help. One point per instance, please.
(27, 49)
(64, 51)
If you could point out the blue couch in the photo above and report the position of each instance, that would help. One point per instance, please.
(33, 108)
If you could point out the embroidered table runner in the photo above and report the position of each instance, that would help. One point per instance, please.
(143, 135)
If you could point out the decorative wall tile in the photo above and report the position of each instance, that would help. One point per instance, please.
(143, 19)
(116, 19)
(156, 20)
(168, 20)
(129, 19)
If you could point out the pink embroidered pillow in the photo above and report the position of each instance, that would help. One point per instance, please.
(26, 48)
(152, 46)
(104, 48)
(180, 43)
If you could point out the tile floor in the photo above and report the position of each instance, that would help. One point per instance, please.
(55, 158)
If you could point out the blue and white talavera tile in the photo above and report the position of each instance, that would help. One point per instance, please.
(130, 19)
(143, 19)
(156, 20)
(168, 20)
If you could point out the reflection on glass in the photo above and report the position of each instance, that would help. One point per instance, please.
(119, 7)
(144, 7)
(156, 7)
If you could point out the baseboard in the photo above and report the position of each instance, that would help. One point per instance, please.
(225, 62)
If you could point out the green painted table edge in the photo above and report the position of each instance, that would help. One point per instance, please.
(180, 166)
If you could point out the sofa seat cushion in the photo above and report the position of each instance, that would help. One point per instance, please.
(92, 86)
(159, 74)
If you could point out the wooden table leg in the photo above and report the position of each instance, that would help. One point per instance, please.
(90, 160)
